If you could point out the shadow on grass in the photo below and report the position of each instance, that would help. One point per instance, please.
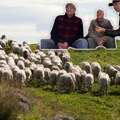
(115, 93)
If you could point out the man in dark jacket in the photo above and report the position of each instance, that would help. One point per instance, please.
(113, 33)
(67, 32)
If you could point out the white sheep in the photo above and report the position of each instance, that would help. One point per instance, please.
(67, 66)
(53, 78)
(39, 75)
(87, 67)
(20, 77)
(66, 83)
(96, 69)
(28, 75)
(21, 64)
(117, 78)
(104, 82)
(111, 71)
(7, 75)
(89, 81)
(47, 72)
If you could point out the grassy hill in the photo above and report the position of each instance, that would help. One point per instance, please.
(81, 106)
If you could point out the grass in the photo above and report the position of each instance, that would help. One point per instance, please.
(81, 106)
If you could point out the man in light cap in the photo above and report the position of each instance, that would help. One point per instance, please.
(96, 39)
(67, 31)
(113, 33)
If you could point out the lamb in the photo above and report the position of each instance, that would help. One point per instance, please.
(15, 57)
(27, 63)
(87, 67)
(117, 78)
(55, 67)
(89, 81)
(66, 83)
(10, 61)
(96, 69)
(104, 82)
(53, 78)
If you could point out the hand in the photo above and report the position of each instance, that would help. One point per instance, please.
(99, 29)
(100, 41)
(63, 45)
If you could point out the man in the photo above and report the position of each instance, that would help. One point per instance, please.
(67, 31)
(100, 39)
(113, 33)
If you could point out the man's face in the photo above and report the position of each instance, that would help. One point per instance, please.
(116, 6)
(100, 14)
(70, 10)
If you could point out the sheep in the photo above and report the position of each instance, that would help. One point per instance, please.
(7, 76)
(65, 57)
(60, 73)
(20, 78)
(10, 61)
(81, 83)
(28, 75)
(117, 78)
(21, 64)
(66, 83)
(67, 66)
(53, 78)
(2, 57)
(15, 47)
(27, 63)
(104, 82)
(47, 72)
(117, 67)
(87, 67)
(47, 62)
(111, 71)
(15, 57)
(55, 67)
(89, 80)
(96, 69)
(39, 75)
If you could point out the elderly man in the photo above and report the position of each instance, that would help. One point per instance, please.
(100, 39)
(113, 33)
(67, 32)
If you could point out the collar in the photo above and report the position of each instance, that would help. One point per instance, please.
(66, 16)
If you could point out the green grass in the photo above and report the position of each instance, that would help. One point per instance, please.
(81, 106)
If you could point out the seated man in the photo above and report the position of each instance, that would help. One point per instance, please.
(100, 39)
(67, 32)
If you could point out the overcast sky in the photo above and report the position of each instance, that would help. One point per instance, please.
(31, 20)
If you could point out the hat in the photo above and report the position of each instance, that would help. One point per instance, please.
(111, 4)
(70, 4)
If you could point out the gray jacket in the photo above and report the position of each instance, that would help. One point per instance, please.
(103, 23)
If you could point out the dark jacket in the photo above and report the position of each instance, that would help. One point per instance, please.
(67, 29)
(113, 33)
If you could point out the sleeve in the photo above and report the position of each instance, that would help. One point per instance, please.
(91, 31)
(112, 33)
(109, 25)
(54, 31)
(81, 31)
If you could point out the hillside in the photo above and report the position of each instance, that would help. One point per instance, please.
(81, 106)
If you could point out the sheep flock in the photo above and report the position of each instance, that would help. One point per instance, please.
(54, 68)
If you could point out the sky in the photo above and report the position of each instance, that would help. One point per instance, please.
(32, 20)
